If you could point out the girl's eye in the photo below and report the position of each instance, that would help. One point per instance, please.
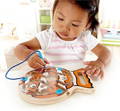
(61, 19)
(75, 25)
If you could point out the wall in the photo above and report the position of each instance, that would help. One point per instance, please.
(21, 13)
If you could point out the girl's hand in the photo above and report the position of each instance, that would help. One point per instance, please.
(94, 69)
(36, 62)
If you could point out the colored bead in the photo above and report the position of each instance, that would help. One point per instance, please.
(59, 91)
(24, 78)
(40, 54)
(59, 69)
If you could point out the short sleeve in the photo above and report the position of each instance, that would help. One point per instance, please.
(90, 41)
(43, 38)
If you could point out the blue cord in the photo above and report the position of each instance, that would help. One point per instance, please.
(22, 78)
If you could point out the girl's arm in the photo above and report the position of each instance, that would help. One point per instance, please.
(102, 53)
(25, 48)
(95, 69)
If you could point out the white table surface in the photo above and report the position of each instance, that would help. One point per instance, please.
(106, 97)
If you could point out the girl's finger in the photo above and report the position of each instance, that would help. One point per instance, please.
(34, 64)
(102, 74)
(46, 61)
(91, 70)
(88, 72)
(40, 61)
(96, 73)
(99, 75)
(37, 65)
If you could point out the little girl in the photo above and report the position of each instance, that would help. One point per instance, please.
(69, 38)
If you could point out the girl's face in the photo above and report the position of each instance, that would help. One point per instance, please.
(69, 20)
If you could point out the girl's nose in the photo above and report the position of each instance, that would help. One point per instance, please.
(66, 28)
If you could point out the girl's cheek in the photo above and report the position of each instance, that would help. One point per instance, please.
(58, 26)
(75, 33)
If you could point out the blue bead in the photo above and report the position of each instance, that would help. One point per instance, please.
(40, 54)
(59, 69)
(24, 78)
(59, 91)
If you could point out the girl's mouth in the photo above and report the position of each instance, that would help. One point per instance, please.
(63, 34)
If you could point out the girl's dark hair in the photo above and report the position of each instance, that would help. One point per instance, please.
(91, 6)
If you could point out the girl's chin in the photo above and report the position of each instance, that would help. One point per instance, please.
(67, 38)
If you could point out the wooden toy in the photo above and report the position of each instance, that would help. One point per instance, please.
(51, 85)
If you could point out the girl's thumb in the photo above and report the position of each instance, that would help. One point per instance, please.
(46, 61)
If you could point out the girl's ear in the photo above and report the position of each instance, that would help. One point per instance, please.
(88, 26)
